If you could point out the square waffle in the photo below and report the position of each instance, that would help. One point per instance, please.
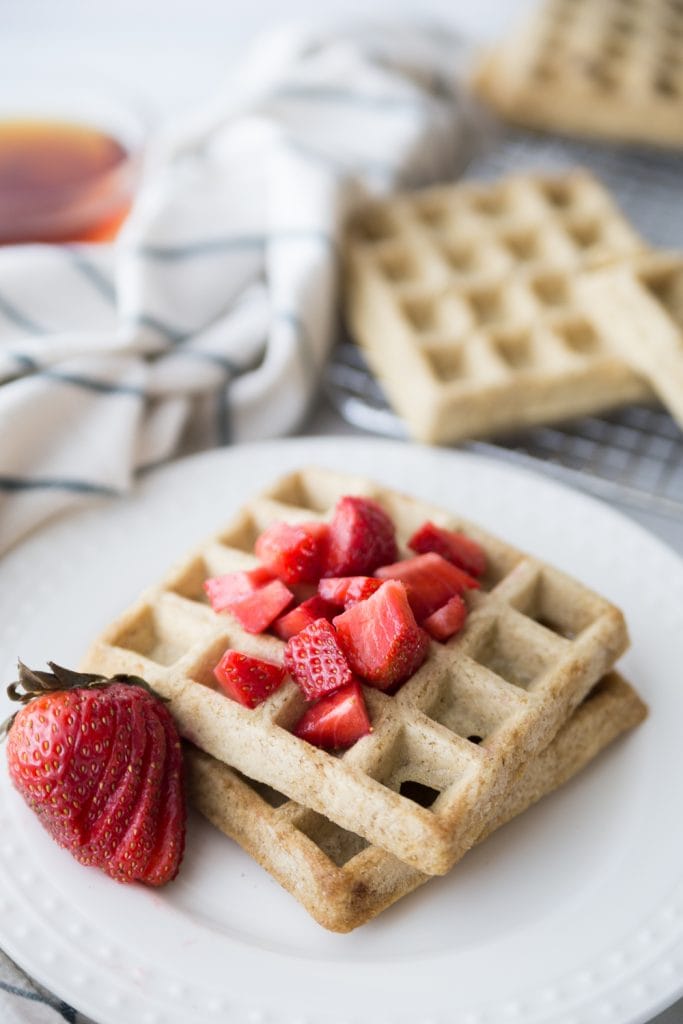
(535, 642)
(463, 298)
(604, 68)
(341, 880)
(638, 309)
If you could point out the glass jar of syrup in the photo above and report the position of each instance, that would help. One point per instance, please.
(69, 162)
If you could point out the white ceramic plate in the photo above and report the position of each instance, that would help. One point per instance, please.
(572, 914)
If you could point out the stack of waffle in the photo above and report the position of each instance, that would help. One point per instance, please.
(488, 307)
(604, 68)
(500, 715)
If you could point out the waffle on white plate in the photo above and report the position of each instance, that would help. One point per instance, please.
(535, 643)
(463, 298)
(603, 68)
(638, 309)
(341, 880)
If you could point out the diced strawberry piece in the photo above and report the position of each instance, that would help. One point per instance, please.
(446, 621)
(294, 551)
(362, 536)
(381, 638)
(247, 680)
(455, 547)
(345, 591)
(337, 720)
(315, 660)
(258, 610)
(430, 581)
(223, 591)
(306, 613)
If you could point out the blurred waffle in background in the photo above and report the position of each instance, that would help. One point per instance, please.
(464, 298)
(601, 68)
(634, 454)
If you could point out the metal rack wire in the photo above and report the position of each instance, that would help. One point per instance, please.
(634, 455)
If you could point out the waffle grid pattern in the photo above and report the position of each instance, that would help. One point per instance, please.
(596, 67)
(535, 643)
(341, 880)
(464, 300)
(639, 310)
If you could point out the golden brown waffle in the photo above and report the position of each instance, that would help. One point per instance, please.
(638, 309)
(604, 68)
(341, 880)
(463, 298)
(535, 642)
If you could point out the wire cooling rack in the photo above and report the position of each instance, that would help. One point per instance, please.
(634, 455)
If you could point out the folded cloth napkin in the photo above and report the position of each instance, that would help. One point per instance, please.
(209, 319)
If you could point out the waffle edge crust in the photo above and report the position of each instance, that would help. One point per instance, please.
(342, 881)
(535, 643)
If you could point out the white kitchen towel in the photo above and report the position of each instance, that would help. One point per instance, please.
(209, 320)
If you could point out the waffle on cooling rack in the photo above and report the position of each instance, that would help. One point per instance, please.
(604, 68)
(535, 642)
(463, 298)
(638, 309)
(341, 880)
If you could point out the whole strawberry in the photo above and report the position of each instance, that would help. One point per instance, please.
(99, 761)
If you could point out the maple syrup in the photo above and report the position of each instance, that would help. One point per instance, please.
(61, 182)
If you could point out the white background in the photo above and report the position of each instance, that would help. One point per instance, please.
(174, 52)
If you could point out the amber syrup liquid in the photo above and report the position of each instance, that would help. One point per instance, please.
(61, 182)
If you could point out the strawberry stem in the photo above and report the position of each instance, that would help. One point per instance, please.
(32, 683)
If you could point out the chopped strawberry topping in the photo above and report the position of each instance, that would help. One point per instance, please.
(446, 621)
(223, 591)
(315, 660)
(362, 536)
(257, 611)
(430, 581)
(455, 547)
(305, 614)
(381, 638)
(247, 680)
(337, 720)
(294, 551)
(345, 591)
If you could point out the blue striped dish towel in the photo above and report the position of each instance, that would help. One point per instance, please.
(209, 319)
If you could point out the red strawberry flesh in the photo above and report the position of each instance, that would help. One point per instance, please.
(258, 611)
(448, 620)
(429, 580)
(362, 537)
(380, 637)
(315, 660)
(247, 680)
(224, 591)
(92, 758)
(336, 721)
(295, 552)
(115, 767)
(113, 821)
(346, 591)
(452, 545)
(170, 841)
(303, 615)
(132, 856)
